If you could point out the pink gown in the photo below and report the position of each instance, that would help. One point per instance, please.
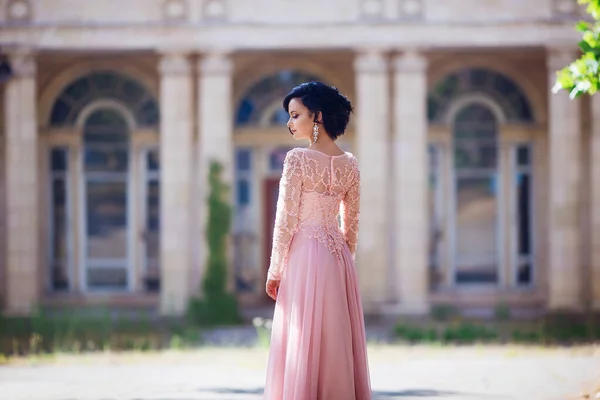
(318, 345)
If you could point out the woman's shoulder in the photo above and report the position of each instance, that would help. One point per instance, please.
(293, 154)
(352, 159)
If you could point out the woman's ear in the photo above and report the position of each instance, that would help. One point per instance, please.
(318, 117)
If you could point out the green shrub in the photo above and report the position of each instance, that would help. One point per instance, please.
(502, 312)
(566, 328)
(524, 336)
(217, 306)
(415, 334)
(443, 312)
(465, 332)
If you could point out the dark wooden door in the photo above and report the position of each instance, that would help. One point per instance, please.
(271, 192)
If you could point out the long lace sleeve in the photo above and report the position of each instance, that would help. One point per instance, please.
(350, 210)
(286, 218)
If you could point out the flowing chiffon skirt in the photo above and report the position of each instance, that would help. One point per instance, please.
(318, 345)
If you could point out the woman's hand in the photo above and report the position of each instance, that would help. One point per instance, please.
(272, 288)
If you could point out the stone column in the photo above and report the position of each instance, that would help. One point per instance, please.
(176, 146)
(21, 168)
(410, 169)
(595, 208)
(215, 141)
(565, 274)
(372, 145)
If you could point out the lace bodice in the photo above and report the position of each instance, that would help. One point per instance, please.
(315, 190)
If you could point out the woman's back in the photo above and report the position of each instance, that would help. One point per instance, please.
(318, 188)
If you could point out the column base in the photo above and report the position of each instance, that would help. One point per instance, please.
(565, 309)
(400, 309)
(173, 305)
(17, 312)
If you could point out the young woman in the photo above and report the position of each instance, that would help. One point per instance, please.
(318, 345)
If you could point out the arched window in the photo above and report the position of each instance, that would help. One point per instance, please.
(475, 146)
(104, 85)
(262, 97)
(498, 87)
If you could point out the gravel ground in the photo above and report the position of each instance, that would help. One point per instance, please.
(397, 372)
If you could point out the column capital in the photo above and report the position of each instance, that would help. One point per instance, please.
(559, 57)
(410, 61)
(371, 60)
(22, 62)
(215, 63)
(176, 63)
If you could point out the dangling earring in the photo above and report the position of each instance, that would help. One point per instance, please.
(315, 133)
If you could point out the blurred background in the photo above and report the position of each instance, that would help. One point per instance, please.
(480, 188)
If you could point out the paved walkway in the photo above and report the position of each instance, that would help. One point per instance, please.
(404, 373)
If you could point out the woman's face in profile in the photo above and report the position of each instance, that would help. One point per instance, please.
(301, 122)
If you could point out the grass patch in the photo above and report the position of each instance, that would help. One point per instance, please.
(91, 330)
(552, 329)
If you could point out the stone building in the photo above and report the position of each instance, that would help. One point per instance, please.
(479, 186)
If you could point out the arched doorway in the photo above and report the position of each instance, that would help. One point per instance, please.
(482, 181)
(106, 194)
(262, 140)
(476, 222)
(103, 179)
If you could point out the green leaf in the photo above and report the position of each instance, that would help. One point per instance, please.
(582, 26)
(585, 46)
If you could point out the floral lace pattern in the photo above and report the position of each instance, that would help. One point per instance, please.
(315, 190)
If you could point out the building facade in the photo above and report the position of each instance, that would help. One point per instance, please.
(479, 186)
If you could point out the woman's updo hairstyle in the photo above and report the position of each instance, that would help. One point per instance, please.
(334, 106)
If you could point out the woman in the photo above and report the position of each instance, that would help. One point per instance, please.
(318, 346)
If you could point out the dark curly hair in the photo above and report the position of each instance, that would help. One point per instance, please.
(334, 106)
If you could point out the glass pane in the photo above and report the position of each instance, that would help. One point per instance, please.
(104, 118)
(243, 159)
(60, 112)
(58, 160)
(243, 192)
(107, 278)
(432, 108)
(504, 87)
(104, 82)
(60, 277)
(524, 274)
(106, 160)
(107, 220)
(244, 112)
(476, 216)
(475, 154)
(148, 113)
(475, 121)
(434, 223)
(524, 213)
(521, 108)
(153, 222)
(523, 156)
(78, 90)
(153, 160)
(475, 138)
(133, 91)
(60, 280)
(480, 77)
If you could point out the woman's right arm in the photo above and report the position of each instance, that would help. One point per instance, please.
(286, 218)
